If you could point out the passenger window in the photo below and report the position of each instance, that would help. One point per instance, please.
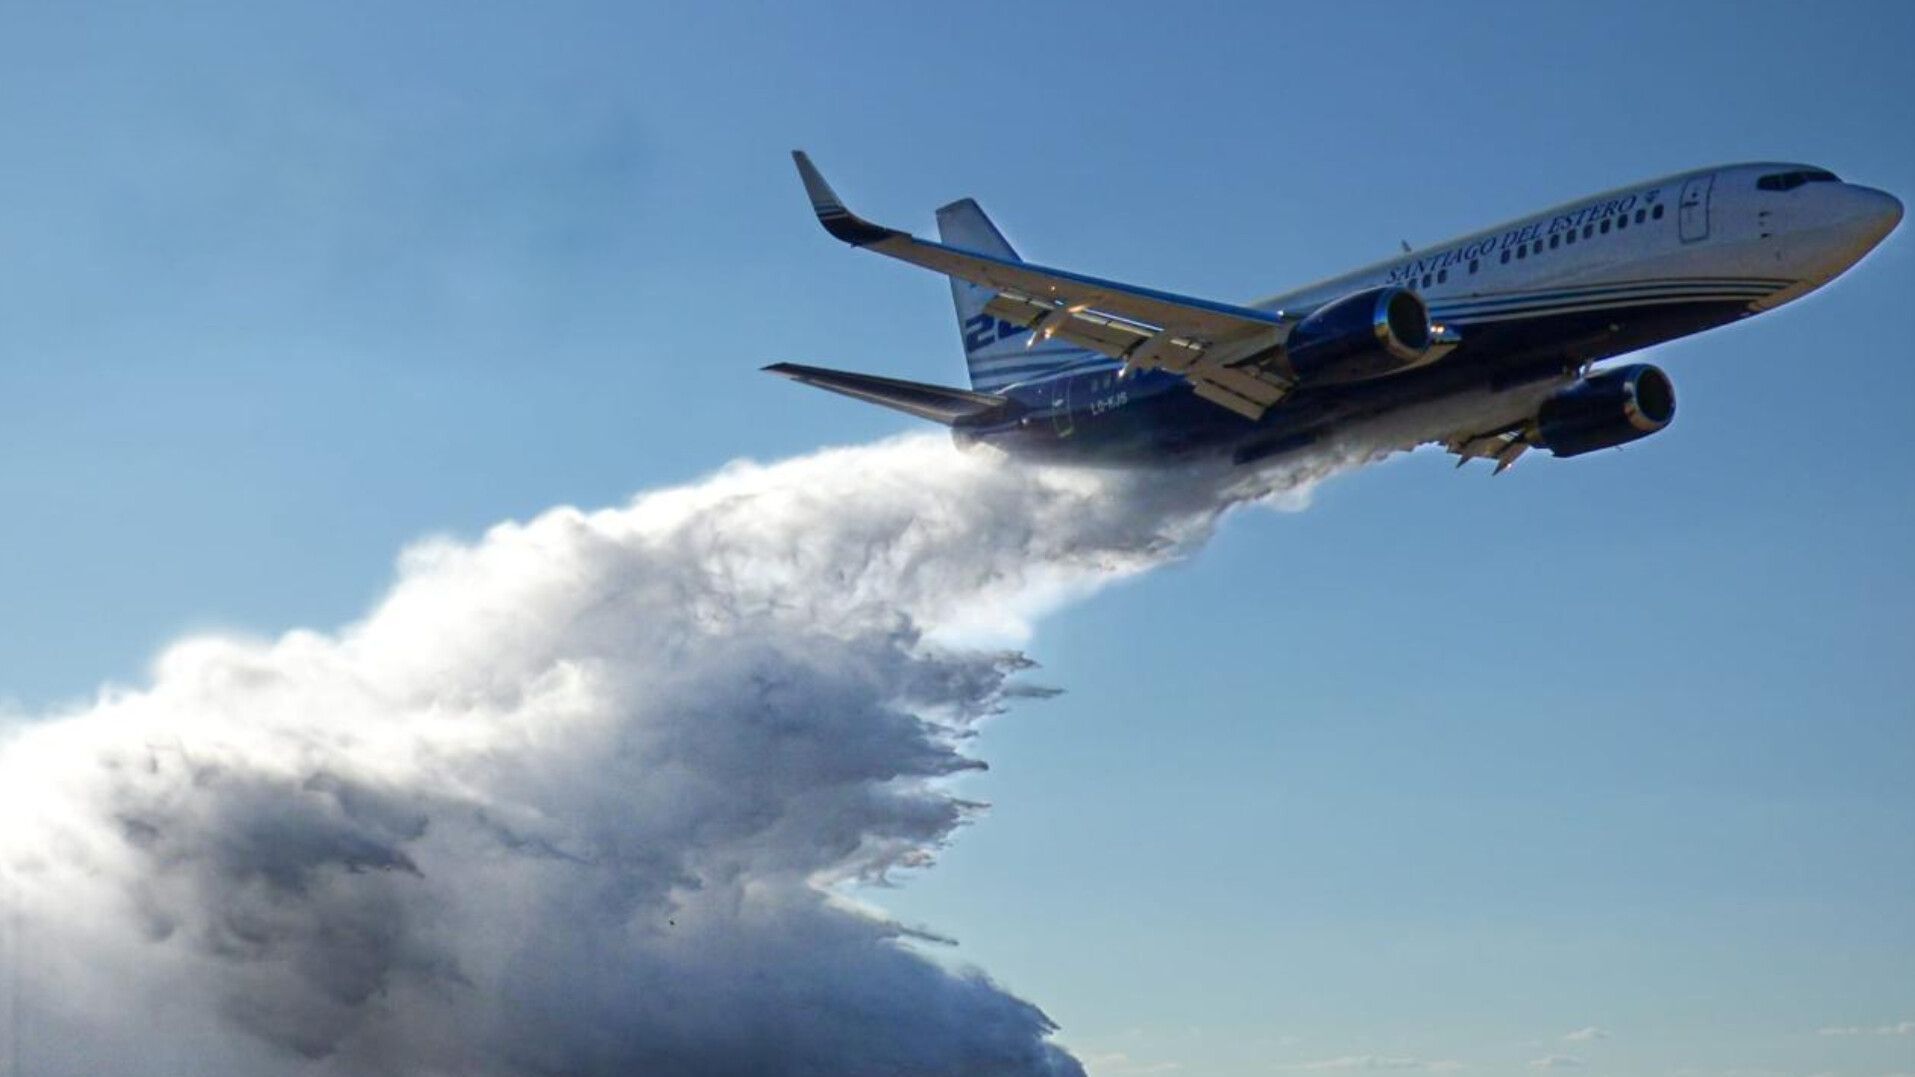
(1605, 226)
(1474, 264)
(1555, 241)
(1588, 230)
(1442, 275)
(1539, 247)
(1522, 251)
(1657, 212)
(1569, 236)
(1426, 280)
(1640, 214)
(1622, 221)
(1505, 255)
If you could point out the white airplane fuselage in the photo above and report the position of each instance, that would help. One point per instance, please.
(1619, 271)
(1520, 312)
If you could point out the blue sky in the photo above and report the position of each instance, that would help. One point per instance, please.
(1441, 769)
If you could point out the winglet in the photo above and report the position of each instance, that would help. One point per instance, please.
(839, 221)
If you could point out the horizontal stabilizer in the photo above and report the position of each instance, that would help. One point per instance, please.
(952, 407)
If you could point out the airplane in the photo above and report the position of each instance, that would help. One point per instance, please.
(1486, 344)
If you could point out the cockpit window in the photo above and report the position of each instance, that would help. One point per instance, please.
(1789, 181)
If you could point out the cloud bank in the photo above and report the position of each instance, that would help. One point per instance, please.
(1898, 1028)
(1374, 1063)
(583, 796)
(1587, 1034)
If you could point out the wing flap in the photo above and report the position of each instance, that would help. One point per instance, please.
(1503, 446)
(1114, 337)
(1227, 375)
(1223, 397)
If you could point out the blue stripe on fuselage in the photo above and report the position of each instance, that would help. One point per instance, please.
(1760, 286)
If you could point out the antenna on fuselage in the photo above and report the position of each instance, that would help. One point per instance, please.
(1406, 245)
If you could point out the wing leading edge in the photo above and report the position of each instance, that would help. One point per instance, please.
(1219, 347)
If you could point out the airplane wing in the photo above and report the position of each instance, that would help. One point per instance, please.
(1502, 446)
(1218, 347)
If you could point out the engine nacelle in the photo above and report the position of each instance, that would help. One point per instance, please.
(1605, 410)
(1364, 335)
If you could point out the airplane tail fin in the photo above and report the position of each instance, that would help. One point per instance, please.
(997, 352)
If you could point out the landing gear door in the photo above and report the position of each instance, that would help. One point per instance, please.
(1693, 210)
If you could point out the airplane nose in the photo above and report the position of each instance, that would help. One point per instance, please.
(1879, 212)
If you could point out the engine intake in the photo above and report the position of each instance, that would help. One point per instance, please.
(1364, 335)
(1605, 410)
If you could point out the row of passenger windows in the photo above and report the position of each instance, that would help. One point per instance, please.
(1555, 240)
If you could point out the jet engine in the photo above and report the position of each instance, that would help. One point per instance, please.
(1605, 410)
(1364, 335)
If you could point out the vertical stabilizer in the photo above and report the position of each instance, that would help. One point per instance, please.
(997, 352)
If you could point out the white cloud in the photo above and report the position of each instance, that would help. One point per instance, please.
(1587, 1035)
(1375, 1062)
(1899, 1028)
(571, 798)
(1555, 1062)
